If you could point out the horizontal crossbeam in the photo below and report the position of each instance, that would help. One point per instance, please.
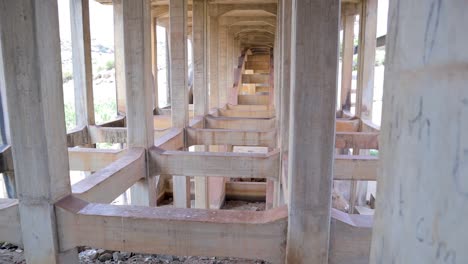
(108, 183)
(231, 165)
(231, 137)
(10, 227)
(360, 168)
(247, 114)
(243, 123)
(90, 159)
(175, 231)
(350, 237)
(357, 140)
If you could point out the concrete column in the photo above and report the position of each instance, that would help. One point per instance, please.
(179, 87)
(200, 44)
(234, 60)
(312, 128)
(277, 50)
(285, 86)
(82, 65)
(119, 57)
(168, 67)
(213, 57)
(277, 88)
(364, 94)
(228, 63)
(366, 60)
(136, 20)
(217, 185)
(347, 62)
(31, 73)
(365, 82)
(154, 63)
(422, 204)
(4, 120)
(222, 64)
(200, 87)
(8, 177)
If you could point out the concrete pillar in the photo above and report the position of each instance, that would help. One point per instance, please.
(82, 64)
(200, 44)
(347, 62)
(119, 58)
(366, 60)
(312, 128)
(277, 87)
(228, 63)
(222, 64)
(365, 82)
(277, 50)
(422, 204)
(217, 185)
(179, 88)
(8, 177)
(4, 120)
(154, 63)
(200, 87)
(213, 57)
(136, 20)
(234, 61)
(285, 86)
(31, 73)
(232, 64)
(168, 67)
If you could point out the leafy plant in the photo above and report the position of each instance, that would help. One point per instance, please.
(104, 111)
(67, 76)
(70, 118)
(110, 65)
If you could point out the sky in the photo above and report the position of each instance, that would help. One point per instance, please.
(382, 17)
(101, 21)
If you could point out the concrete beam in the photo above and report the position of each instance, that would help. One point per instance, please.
(254, 235)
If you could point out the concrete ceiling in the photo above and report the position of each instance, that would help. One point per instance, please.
(251, 21)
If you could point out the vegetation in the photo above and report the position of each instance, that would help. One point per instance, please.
(103, 110)
(110, 65)
(67, 76)
(380, 57)
(70, 118)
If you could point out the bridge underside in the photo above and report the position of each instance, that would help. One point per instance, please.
(256, 119)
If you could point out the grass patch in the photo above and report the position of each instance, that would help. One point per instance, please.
(103, 111)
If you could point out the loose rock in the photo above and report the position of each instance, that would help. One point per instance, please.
(105, 257)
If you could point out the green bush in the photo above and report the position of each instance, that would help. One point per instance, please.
(103, 111)
(355, 63)
(67, 76)
(70, 118)
(110, 65)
